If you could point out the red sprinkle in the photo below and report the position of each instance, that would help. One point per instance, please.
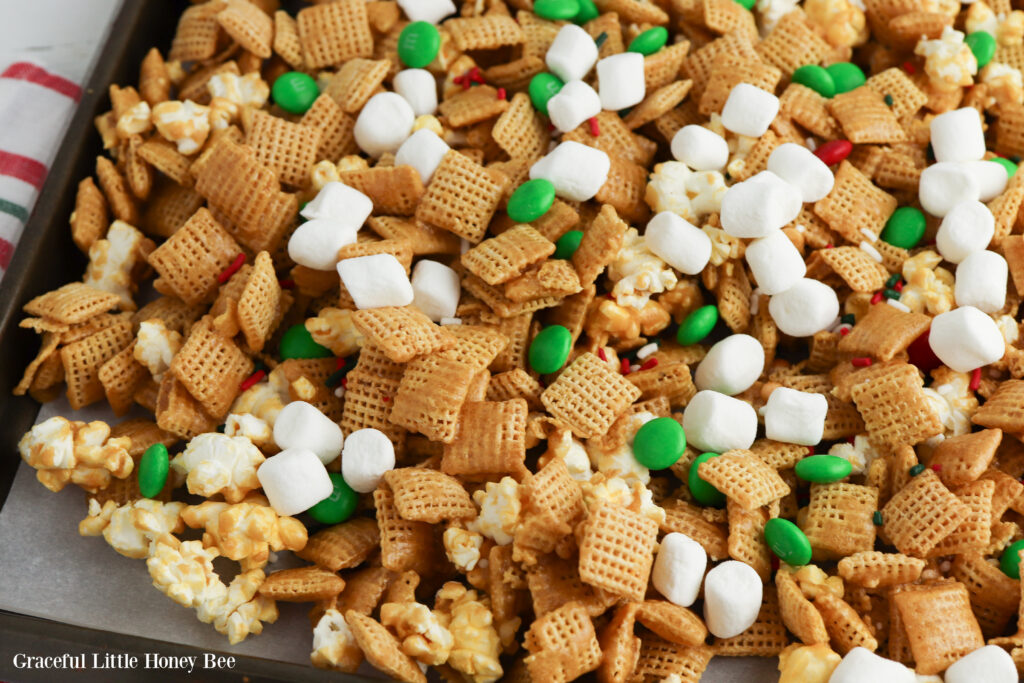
(810, 450)
(344, 382)
(909, 67)
(232, 269)
(937, 467)
(385, 398)
(775, 563)
(339, 363)
(843, 331)
(876, 298)
(898, 286)
(975, 379)
(861, 362)
(833, 152)
(502, 94)
(624, 366)
(649, 363)
(601, 354)
(252, 379)
(474, 75)
(595, 129)
(830, 246)
(286, 284)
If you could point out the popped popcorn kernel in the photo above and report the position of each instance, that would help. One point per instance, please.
(423, 633)
(638, 273)
(186, 124)
(63, 451)
(333, 328)
(155, 346)
(807, 663)
(691, 194)
(462, 547)
(214, 463)
(136, 121)
(949, 61)
(334, 646)
(112, 260)
(245, 531)
(929, 287)
(476, 644)
(500, 508)
(131, 528)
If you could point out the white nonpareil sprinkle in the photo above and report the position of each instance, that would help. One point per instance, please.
(800, 227)
(870, 235)
(646, 350)
(755, 301)
(898, 305)
(451, 321)
(871, 251)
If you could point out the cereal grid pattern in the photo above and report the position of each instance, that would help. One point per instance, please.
(921, 514)
(839, 519)
(616, 550)
(502, 258)
(491, 441)
(334, 32)
(462, 197)
(588, 396)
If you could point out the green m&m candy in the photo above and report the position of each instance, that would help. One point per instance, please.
(1011, 168)
(153, 470)
(983, 45)
(297, 342)
(846, 76)
(659, 443)
(650, 41)
(823, 469)
(787, 541)
(542, 88)
(567, 244)
(531, 200)
(703, 492)
(337, 507)
(817, 78)
(1010, 560)
(295, 92)
(588, 12)
(697, 325)
(747, 4)
(556, 10)
(418, 44)
(905, 227)
(550, 349)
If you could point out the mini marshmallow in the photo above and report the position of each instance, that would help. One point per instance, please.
(679, 568)
(981, 281)
(944, 185)
(965, 338)
(419, 89)
(968, 227)
(775, 262)
(436, 289)
(572, 105)
(991, 181)
(576, 170)
(338, 201)
(572, 53)
(731, 366)
(302, 425)
(294, 481)
(958, 136)
(990, 664)
(384, 124)
(367, 456)
(792, 416)
(718, 423)
(861, 665)
(799, 167)
(749, 110)
(423, 151)
(732, 598)
(315, 243)
(621, 80)
(759, 205)
(376, 281)
(700, 149)
(804, 309)
(678, 242)
(430, 11)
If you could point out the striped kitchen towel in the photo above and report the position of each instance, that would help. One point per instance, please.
(35, 108)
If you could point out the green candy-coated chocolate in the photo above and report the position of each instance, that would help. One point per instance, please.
(817, 78)
(659, 443)
(1010, 560)
(650, 41)
(905, 227)
(295, 92)
(747, 4)
(550, 349)
(298, 343)
(588, 12)
(697, 325)
(418, 44)
(567, 244)
(337, 507)
(787, 541)
(543, 87)
(1011, 168)
(703, 492)
(846, 76)
(531, 200)
(556, 10)
(153, 469)
(823, 469)
(983, 45)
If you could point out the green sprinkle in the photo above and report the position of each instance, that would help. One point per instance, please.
(889, 100)
(916, 470)
(891, 294)
(893, 279)
(848, 319)
(876, 518)
(601, 37)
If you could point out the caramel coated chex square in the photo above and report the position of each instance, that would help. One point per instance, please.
(288, 149)
(568, 633)
(491, 441)
(865, 118)
(211, 368)
(921, 514)
(792, 43)
(343, 545)
(404, 545)
(839, 519)
(402, 332)
(424, 495)
(430, 397)
(616, 550)
(83, 359)
(1004, 409)
(462, 197)
(588, 396)
(745, 478)
(72, 304)
(884, 332)
(994, 595)
(939, 624)
(601, 242)
(334, 32)
(502, 258)
(895, 409)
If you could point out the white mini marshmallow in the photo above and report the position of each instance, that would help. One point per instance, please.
(775, 262)
(989, 664)
(621, 80)
(678, 242)
(958, 136)
(981, 281)
(749, 110)
(861, 665)
(804, 309)
(968, 227)
(338, 201)
(732, 598)
(430, 11)
(799, 167)
(991, 181)
(419, 89)
(679, 568)
(718, 423)
(294, 481)
(792, 416)
(367, 456)
(731, 366)
(576, 170)
(384, 124)
(375, 281)
(315, 243)
(572, 53)
(423, 151)
(436, 289)
(965, 338)
(572, 105)
(944, 185)
(302, 425)
(700, 149)
(759, 205)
